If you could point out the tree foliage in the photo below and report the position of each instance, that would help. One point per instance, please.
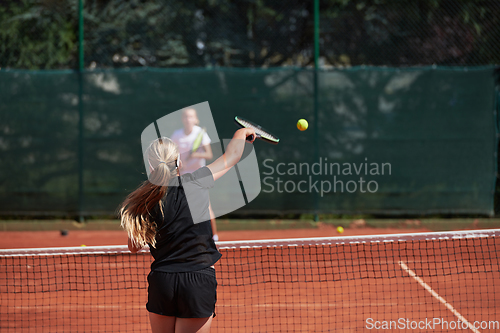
(423, 32)
(38, 34)
(252, 33)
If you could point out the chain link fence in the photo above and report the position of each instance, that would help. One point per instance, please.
(409, 33)
(43, 34)
(197, 34)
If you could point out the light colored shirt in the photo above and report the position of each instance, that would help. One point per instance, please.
(185, 144)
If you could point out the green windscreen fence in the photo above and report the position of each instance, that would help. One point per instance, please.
(388, 141)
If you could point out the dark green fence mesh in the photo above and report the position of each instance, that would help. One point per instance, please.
(422, 140)
(43, 34)
(427, 124)
(38, 143)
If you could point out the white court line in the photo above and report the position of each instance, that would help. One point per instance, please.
(436, 295)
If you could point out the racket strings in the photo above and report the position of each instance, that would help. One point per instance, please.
(258, 130)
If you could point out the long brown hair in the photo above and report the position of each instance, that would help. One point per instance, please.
(136, 210)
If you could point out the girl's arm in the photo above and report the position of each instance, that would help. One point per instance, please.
(233, 153)
(132, 247)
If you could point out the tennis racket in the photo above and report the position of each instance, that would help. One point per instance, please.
(260, 132)
(197, 141)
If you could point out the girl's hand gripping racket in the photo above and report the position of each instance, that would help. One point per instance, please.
(260, 132)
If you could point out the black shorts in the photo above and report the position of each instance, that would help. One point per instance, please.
(183, 295)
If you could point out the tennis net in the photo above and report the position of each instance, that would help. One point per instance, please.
(423, 282)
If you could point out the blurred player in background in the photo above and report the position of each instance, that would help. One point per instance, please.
(186, 138)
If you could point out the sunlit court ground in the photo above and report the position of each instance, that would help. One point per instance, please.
(47, 233)
(305, 288)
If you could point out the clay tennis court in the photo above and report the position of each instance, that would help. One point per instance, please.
(279, 289)
(53, 238)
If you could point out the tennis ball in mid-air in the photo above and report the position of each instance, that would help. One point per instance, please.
(302, 124)
(340, 230)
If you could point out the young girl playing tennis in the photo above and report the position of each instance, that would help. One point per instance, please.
(182, 284)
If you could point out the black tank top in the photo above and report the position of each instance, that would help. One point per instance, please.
(181, 244)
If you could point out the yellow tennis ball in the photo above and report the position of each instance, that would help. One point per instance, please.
(340, 230)
(302, 124)
(83, 245)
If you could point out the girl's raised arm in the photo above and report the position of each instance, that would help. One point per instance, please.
(233, 153)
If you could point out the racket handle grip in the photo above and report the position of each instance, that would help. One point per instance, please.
(250, 138)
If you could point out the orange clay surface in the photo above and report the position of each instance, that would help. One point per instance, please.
(40, 239)
(296, 289)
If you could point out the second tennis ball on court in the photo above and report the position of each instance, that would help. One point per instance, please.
(340, 230)
(302, 124)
